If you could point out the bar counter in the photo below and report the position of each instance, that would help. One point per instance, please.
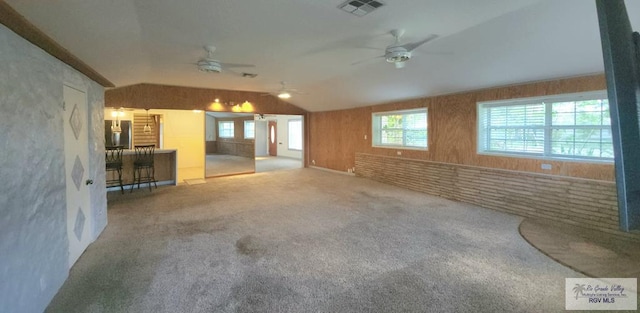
(164, 164)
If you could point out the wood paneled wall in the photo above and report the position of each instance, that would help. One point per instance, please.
(211, 147)
(139, 137)
(336, 136)
(237, 145)
(151, 96)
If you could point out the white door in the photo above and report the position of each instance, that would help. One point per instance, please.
(76, 151)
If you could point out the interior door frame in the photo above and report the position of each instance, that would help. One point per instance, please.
(79, 213)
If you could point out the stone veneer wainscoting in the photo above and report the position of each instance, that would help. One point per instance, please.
(582, 202)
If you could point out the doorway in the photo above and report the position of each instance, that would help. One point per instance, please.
(279, 142)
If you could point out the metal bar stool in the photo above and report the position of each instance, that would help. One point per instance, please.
(113, 162)
(143, 164)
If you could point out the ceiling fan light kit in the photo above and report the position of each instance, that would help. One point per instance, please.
(285, 92)
(209, 66)
(399, 54)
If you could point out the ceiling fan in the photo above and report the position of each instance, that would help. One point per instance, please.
(284, 92)
(397, 53)
(210, 65)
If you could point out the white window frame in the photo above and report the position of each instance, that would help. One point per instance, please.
(252, 134)
(299, 133)
(222, 131)
(548, 127)
(376, 129)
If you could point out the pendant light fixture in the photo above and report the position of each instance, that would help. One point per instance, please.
(115, 124)
(147, 128)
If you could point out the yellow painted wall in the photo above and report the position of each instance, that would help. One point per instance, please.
(184, 131)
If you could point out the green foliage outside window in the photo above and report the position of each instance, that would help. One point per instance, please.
(572, 129)
(401, 128)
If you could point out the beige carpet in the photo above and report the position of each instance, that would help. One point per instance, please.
(195, 181)
(223, 164)
(307, 241)
(271, 163)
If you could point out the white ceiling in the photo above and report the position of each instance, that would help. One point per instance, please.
(312, 44)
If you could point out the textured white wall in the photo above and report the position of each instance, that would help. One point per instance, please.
(261, 140)
(33, 236)
(283, 137)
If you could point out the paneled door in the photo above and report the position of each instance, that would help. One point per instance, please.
(76, 151)
(273, 138)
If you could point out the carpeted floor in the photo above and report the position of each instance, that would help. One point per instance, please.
(224, 164)
(271, 163)
(307, 240)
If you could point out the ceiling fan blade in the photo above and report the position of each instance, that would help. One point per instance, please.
(436, 52)
(413, 45)
(370, 48)
(232, 65)
(226, 69)
(367, 60)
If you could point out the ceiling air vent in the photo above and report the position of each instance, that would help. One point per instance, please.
(360, 7)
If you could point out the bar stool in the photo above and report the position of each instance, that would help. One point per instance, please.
(113, 162)
(143, 163)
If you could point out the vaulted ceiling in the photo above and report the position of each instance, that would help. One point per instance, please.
(313, 45)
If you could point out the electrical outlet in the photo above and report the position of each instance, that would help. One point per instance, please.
(399, 152)
(313, 162)
(545, 166)
(365, 137)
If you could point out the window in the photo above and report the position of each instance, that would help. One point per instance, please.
(295, 134)
(407, 129)
(225, 129)
(575, 126)
(249, 129)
